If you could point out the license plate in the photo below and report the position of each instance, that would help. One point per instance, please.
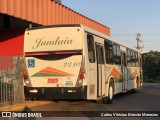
(52, 80)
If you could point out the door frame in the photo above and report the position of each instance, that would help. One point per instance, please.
(124, 70)
(100, 68)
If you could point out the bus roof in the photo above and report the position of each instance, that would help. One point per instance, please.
(89, 30)
(54, 26)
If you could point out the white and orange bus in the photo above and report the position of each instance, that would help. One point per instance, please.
(77, 62)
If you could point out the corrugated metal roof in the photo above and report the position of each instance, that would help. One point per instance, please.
(47, 12)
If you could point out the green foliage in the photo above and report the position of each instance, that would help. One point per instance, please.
(151, 66)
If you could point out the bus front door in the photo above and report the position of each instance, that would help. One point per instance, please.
(124, 71)
(100, 70)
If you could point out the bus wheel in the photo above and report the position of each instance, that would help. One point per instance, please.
(135, 89)
(109, 99)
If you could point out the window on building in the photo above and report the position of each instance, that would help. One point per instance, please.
(91, 50)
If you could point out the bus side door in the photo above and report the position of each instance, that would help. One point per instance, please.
(100, 70)
(124, 71)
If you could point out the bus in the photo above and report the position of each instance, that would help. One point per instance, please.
(76, 62)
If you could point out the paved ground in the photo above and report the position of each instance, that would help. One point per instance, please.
(146, 99)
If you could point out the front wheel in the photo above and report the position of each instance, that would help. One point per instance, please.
(109, 99)
(135, 89)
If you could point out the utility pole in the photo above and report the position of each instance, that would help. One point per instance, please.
(138, 42)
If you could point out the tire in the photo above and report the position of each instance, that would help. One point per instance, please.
(135, 89)
(109, 98)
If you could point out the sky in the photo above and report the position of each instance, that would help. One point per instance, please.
(125, 18)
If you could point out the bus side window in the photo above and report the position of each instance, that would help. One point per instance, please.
(137, 60)
(109, 52)
(101, 57)
(129, 63)
(117, 56)
(91, 52)
(133, 59)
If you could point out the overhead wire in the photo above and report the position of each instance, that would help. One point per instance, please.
(142, 34)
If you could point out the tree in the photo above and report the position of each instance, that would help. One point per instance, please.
(151, 65)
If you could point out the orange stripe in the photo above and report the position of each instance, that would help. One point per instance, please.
(116, 74)
(133, 74)
(54, 71)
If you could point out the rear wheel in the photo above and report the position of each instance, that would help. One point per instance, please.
(109, 99)
(135, 89)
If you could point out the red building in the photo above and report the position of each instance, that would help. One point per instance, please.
(17, 15)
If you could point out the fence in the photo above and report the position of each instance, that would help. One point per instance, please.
(11, 80)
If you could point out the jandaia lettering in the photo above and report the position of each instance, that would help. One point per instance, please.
(42, 42)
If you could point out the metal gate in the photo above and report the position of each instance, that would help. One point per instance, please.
(11, 80)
